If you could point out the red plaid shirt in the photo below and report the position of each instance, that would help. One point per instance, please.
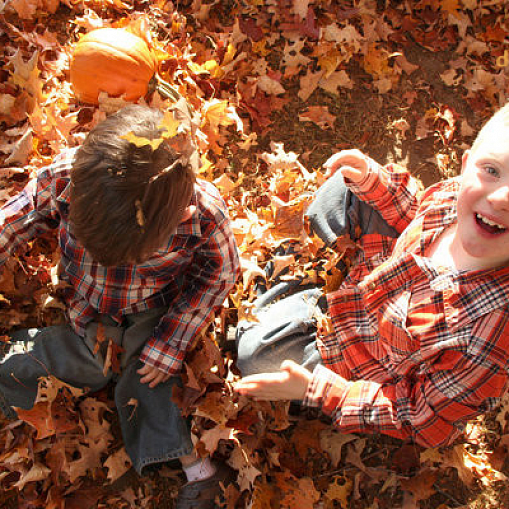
(418, 350)
(190, 275)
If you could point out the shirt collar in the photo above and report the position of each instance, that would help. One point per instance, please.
(64, 196)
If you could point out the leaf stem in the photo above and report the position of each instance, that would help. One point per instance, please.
(166, 90)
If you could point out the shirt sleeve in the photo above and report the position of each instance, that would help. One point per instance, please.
(391, 190)
(208, 281)
(30, 213)
(431, 408)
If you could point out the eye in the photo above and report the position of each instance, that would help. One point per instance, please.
(490, 170)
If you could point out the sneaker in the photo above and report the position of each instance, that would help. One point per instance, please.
(202, 494)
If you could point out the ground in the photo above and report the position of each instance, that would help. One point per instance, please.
(416, 83)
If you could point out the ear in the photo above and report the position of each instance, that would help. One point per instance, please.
(188, 213)
(464, 160)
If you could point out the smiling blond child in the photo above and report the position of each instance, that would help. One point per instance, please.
(421, 324)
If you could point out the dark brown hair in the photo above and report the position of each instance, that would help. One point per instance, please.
(126, 200)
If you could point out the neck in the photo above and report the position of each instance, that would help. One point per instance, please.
(441, 251)
(448, 251)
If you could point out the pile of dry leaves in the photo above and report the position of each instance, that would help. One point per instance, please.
(278, 85)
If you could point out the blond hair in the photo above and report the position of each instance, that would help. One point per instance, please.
(499, 119)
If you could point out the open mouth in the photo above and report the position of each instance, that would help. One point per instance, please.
(488, 225)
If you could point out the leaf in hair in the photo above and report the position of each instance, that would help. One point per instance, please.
(170, 125)
(142, 142)
(170, 128)
(140, 218)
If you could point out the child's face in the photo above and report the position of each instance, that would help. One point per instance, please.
(483, 202)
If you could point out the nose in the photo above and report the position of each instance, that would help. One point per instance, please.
(499, 198)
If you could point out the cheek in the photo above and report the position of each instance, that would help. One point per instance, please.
(463, 203)
(468, 197)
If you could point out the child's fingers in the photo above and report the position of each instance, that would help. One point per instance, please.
(264, 385)
(333, 164)
(353, 174)
(290, 383)
(152, 376)
(354, 158)
(160, 377)
(293, 368)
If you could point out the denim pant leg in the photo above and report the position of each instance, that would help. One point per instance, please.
(153, 429)
(286, 330)
(336, 211)
(35, 353)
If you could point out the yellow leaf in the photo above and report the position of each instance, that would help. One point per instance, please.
(225, 184)
(210, 67)
(206, 166)
(230, 54)
(218, 113)
(142, 142)
(170, 125)
(213, 68)
(26, 75)
(260, 48)
(431, 455)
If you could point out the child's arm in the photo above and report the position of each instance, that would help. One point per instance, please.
(209, 279)
(390, 189)
(33, 210)
(430, 407)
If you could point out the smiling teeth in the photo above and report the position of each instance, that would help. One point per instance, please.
(489, 222)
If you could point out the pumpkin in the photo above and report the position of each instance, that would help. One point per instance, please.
(114, 61)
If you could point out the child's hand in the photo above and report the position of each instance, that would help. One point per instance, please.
(290, 383)
(353, 164)
(152, 376)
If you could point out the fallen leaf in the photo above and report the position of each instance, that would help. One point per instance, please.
(38, 472)
(270, 86)
(339, 490)
(332, 443)
(421, 485)
(117, 464)
(319, 115)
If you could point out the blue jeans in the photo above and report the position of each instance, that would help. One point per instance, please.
(153, 432)
(286, 313)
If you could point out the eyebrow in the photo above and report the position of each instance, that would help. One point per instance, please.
(495, 156)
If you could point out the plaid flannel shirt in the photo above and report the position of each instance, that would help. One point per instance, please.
(191, 274)
(381, 374)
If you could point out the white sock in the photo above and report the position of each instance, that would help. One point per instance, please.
(199, 470)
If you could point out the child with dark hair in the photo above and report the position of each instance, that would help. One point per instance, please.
(147, 256)
(420, 340)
